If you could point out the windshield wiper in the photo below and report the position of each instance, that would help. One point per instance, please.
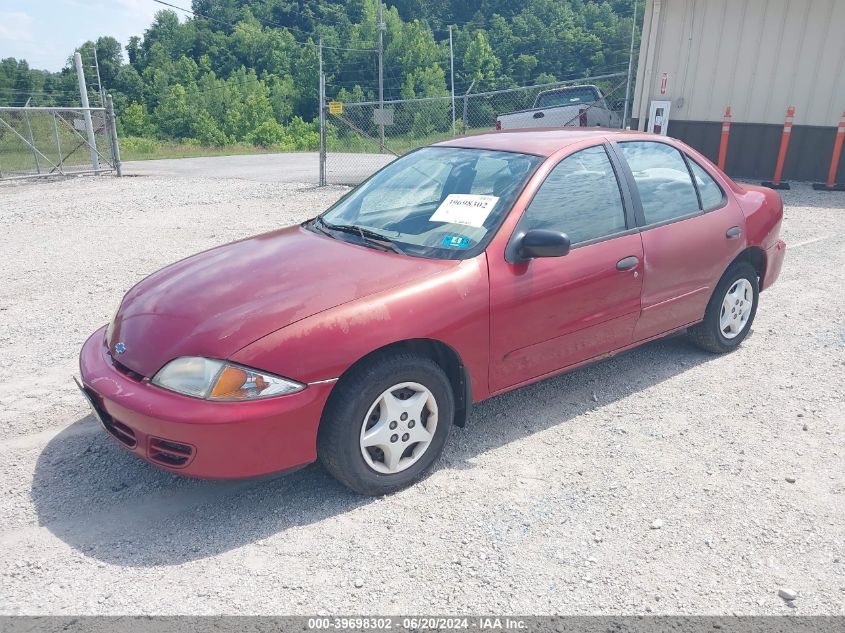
(370, 237)
(318, 225)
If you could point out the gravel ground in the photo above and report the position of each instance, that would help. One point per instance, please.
(664, 480)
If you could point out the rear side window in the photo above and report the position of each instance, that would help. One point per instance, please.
(580, 197)
(711, 193)
(663, 180)
(567, 96)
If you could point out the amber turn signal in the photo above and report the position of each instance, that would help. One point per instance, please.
(229, 383)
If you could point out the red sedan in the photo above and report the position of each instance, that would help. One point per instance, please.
(459, 271)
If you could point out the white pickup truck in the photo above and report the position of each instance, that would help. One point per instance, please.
(575, 106)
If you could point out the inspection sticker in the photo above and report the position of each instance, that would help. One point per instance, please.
(465, 208)
(456, 241)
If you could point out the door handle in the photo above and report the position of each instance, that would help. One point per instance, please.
(539, 115)
(628, 263)
(733, 233)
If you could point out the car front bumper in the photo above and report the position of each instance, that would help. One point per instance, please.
(212, 440)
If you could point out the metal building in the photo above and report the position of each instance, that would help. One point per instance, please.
(759, 57)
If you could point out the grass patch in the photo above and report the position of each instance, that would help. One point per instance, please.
(135, 148)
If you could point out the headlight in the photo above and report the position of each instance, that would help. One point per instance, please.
(219, 380)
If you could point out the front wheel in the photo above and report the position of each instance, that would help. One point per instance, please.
(730, 313)
(386, 423)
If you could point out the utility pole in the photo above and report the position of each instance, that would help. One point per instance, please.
(322, 99)
(630, 68)
(99, 83)
(381, 76)
(452, 76)
(89, 127)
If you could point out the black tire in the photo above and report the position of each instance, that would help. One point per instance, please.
(708, 334)
(338, 439)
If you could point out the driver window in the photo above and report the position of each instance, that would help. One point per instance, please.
(580, 197)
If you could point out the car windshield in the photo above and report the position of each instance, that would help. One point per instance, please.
(438, 202)
(570, 96)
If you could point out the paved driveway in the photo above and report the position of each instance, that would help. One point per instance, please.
(292, 167)
(346, 169)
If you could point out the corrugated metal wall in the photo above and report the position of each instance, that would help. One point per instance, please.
(758, 56)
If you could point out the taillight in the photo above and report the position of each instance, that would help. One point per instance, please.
(582, 117)
(498, 124)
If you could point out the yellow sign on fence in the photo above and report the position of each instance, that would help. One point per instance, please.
(335, 107)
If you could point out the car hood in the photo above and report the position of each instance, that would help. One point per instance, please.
(214, 303)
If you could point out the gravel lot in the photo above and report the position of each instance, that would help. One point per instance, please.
(658, 481)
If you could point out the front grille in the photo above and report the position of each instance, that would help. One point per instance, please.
(123, 369)
(169, 453)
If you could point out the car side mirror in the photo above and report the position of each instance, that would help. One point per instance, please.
(543, 243)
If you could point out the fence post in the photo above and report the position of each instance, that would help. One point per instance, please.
(452, 77)
(322, 106)
(58, 144)
(466, 104)
(381, 28)
(630, 69)
(115, 148)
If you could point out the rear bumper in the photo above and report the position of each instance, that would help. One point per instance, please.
(774, 263)
(214, 440)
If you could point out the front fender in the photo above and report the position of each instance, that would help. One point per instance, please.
(452, 307)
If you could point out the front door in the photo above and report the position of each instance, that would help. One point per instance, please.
(551, 313)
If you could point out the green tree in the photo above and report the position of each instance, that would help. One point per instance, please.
(248, 71)
(480, 62)
(173, 117)
(206, 130)
(110, 59)
(268, 134)
(135, 121)
(23, 86)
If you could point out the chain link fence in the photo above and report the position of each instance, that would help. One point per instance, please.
(362, 137)
(41, 142)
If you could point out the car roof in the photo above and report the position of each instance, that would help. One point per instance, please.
(540, 141)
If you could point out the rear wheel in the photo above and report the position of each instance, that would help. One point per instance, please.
(730, 313)
(387, 423)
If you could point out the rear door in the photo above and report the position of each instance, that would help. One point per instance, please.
(691, 231)
(551, 313)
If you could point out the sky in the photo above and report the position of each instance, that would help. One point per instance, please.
(46, 32)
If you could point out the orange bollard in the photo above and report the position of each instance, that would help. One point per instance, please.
(723, 144)
(784, 145)
(831, 185)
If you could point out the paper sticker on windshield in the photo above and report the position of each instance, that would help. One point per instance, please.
(465, 208)
(456, 241)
